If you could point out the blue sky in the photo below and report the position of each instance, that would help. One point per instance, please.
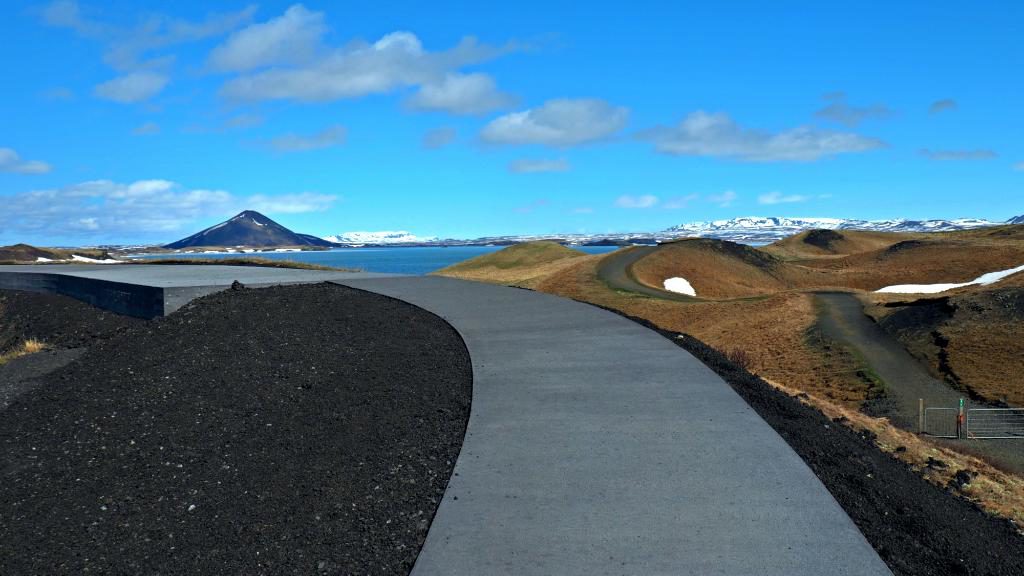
(123, 122)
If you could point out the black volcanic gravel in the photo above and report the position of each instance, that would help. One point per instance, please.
(288, 430)
(916, 527)
(58, 321)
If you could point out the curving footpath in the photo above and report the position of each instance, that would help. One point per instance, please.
(594, 446)
(615, 270)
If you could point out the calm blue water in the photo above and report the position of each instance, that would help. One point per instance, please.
(421, 260)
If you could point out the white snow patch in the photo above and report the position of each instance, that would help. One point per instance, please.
(680, 286)
(41, 259)
(983, 280)
(257, 223)
(78, 258)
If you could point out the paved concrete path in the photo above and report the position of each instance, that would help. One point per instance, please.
(596, 446)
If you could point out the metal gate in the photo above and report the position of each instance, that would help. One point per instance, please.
(994, 423)
(940, 422)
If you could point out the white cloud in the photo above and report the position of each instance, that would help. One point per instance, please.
(144, 208)
(331, 136)
(58, 94)
(10, 161)
(397, 60)
(981, 154)
(560, 123)
(723, 200)
(946, 104)
(131, 88)
(147, 128)
(779, 198)
(704, 134)
(839, 110)
(643, 201)
(290, 203)
(461, 94)
(292, 38)
(132, 51)
(439, 137)
(528, 166)
(679, 202)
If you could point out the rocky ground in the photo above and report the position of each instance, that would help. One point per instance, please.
(290, 430)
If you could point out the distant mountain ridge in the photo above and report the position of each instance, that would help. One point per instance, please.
(1016, 220)
(248, 228)
(755, 229)
(380, 237)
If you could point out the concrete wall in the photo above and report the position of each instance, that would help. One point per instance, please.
(128, 299)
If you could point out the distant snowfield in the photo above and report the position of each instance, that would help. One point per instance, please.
(78, 258)
(680, 286)
(983, 280)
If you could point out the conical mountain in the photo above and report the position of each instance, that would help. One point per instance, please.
(249, 228)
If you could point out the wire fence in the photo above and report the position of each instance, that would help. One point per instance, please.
(993, 423)
(971, 423)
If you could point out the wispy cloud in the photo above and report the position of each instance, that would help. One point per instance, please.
(529, 166)
(287, 58)
(464, 94)
(679, 202)
(58, 94)
(558, 123)
(290, 39)
(1019, 166)
(11, 161)
(724, 199)
(439, 137)
(954, 155)
(944, 105)
(717, 135)
(841, 111)
(146, 129)
(332, 136)
(139, 53)
(531, 207)
(146, 208)
(641, 201)
(776, 197)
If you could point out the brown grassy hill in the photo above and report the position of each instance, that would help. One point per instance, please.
(517, 265)
(25, 253)
(973, 337)
(926, 261)
(829, 243)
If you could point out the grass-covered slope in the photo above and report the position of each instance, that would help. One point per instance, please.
(830, 243)
(518, 265)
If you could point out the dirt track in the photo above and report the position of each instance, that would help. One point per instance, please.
(906, 380)
(614, 270)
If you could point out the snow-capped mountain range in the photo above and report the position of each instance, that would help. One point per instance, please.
(378, 238)
(760, 229)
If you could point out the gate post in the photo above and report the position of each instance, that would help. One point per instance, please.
(960, 420)
(920, 415)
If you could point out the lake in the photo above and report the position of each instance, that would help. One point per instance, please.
(396, 260)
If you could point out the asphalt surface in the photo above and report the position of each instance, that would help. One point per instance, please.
(595, 446)
(614, 270)
(289, 430)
